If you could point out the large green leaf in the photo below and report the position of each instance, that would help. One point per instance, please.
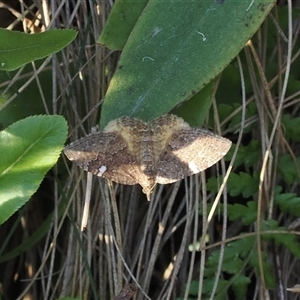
(120, 22)
(29, 148)
(176, 48)
(188, 110)
(18, 48)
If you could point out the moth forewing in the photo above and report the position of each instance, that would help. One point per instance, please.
(189, 152)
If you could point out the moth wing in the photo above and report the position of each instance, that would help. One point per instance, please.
(105, 155)
(189, 152)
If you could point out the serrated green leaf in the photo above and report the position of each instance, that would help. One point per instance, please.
(239, 286)
(208, 286)
(248, 214)
(291, 126)
(289, 168)
(29, 148)
(242, 184)
(213, 184)
(235, 121)
(242, 246)
(268, 271)
(287, 239)
(232, 266)
(225, 110)
(194, 287)
(18, 48)
(247, 155)
(174, 50)
(288, 202)
(234, 254)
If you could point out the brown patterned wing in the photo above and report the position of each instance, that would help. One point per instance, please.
(105, 155)
(189, 152)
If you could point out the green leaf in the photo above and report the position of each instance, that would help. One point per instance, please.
(234, 254)
(238, 184)
(120, 22)
(248, 214)
(291, 126)
(207, 288)
(251, 111)
(232, 266)
(268, 270)
(29, 148)
(288, 240)
(229, 89)
(18, 48)
(188, 110)
(289, 202)
(235, 121)
(239, 286)
(289, 168)
(242, 184)
(174, 50)
(247, 155)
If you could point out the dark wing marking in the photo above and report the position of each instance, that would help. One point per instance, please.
(190, 151)
(105, 155)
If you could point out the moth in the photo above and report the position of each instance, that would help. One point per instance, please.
(131, 151)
